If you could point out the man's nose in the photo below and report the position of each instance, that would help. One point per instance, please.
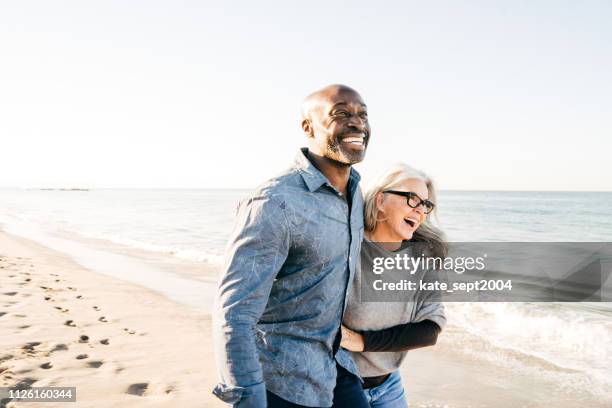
(358, 122)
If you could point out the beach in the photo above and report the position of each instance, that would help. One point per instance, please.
(135, 271)
(119, 344)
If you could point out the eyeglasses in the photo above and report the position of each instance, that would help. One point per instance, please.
(413, 200)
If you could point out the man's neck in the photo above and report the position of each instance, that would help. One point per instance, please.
(337, 173)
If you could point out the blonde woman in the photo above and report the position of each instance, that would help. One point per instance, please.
(398, 208)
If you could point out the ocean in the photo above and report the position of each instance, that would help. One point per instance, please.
(192, 226)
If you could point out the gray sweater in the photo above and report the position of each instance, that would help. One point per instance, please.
(381, 315)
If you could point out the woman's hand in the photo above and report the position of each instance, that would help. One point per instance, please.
(351, 340)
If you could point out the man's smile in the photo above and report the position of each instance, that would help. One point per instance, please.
(355, 140)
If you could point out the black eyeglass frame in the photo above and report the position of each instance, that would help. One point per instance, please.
(409, 195)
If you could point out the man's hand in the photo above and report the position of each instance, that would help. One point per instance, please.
(351, 340)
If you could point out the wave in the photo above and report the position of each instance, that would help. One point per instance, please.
(565, 342)
(212, 256)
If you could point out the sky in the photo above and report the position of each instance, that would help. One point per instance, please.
(481, 95)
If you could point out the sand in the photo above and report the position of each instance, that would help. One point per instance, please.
(140, 349)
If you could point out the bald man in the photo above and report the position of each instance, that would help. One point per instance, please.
(291, 255)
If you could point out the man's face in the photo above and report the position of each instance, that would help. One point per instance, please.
(340, 129)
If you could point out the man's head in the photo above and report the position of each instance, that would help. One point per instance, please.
(335, 120)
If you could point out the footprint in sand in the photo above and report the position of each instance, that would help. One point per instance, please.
(10, 293)
(104, 341)
(82, 356)
(2, 314)
(25, 384)
(137, 389)
(28, 348)
(96, 308)
(46, 366)
(95, 364)
(59, 347)
(61, 309)
(70, 323)
(6, 357)
(83, 339)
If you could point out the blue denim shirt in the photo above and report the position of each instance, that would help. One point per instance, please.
(282, 293)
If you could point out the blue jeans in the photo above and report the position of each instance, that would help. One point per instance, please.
(348, 393)
(389, 394)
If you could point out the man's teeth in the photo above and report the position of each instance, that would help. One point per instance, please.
(354, 140)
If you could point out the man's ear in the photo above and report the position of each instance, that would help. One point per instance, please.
(307, 128)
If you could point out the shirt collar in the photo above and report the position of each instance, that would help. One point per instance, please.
(313, 178)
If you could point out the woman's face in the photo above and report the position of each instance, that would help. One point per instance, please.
(397, 219)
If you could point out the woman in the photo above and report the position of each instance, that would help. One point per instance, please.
(397, 208)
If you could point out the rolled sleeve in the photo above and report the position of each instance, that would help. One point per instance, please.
(429, 303)
(242, 397)
(257, 249)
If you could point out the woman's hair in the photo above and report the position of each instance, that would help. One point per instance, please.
(391, 179)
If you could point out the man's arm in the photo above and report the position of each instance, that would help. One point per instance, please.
(256, 252)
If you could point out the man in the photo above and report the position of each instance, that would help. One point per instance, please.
(292, 253)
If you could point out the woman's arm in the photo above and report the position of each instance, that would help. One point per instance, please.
(402, 337)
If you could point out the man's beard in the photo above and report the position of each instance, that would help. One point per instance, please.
(336, 152)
